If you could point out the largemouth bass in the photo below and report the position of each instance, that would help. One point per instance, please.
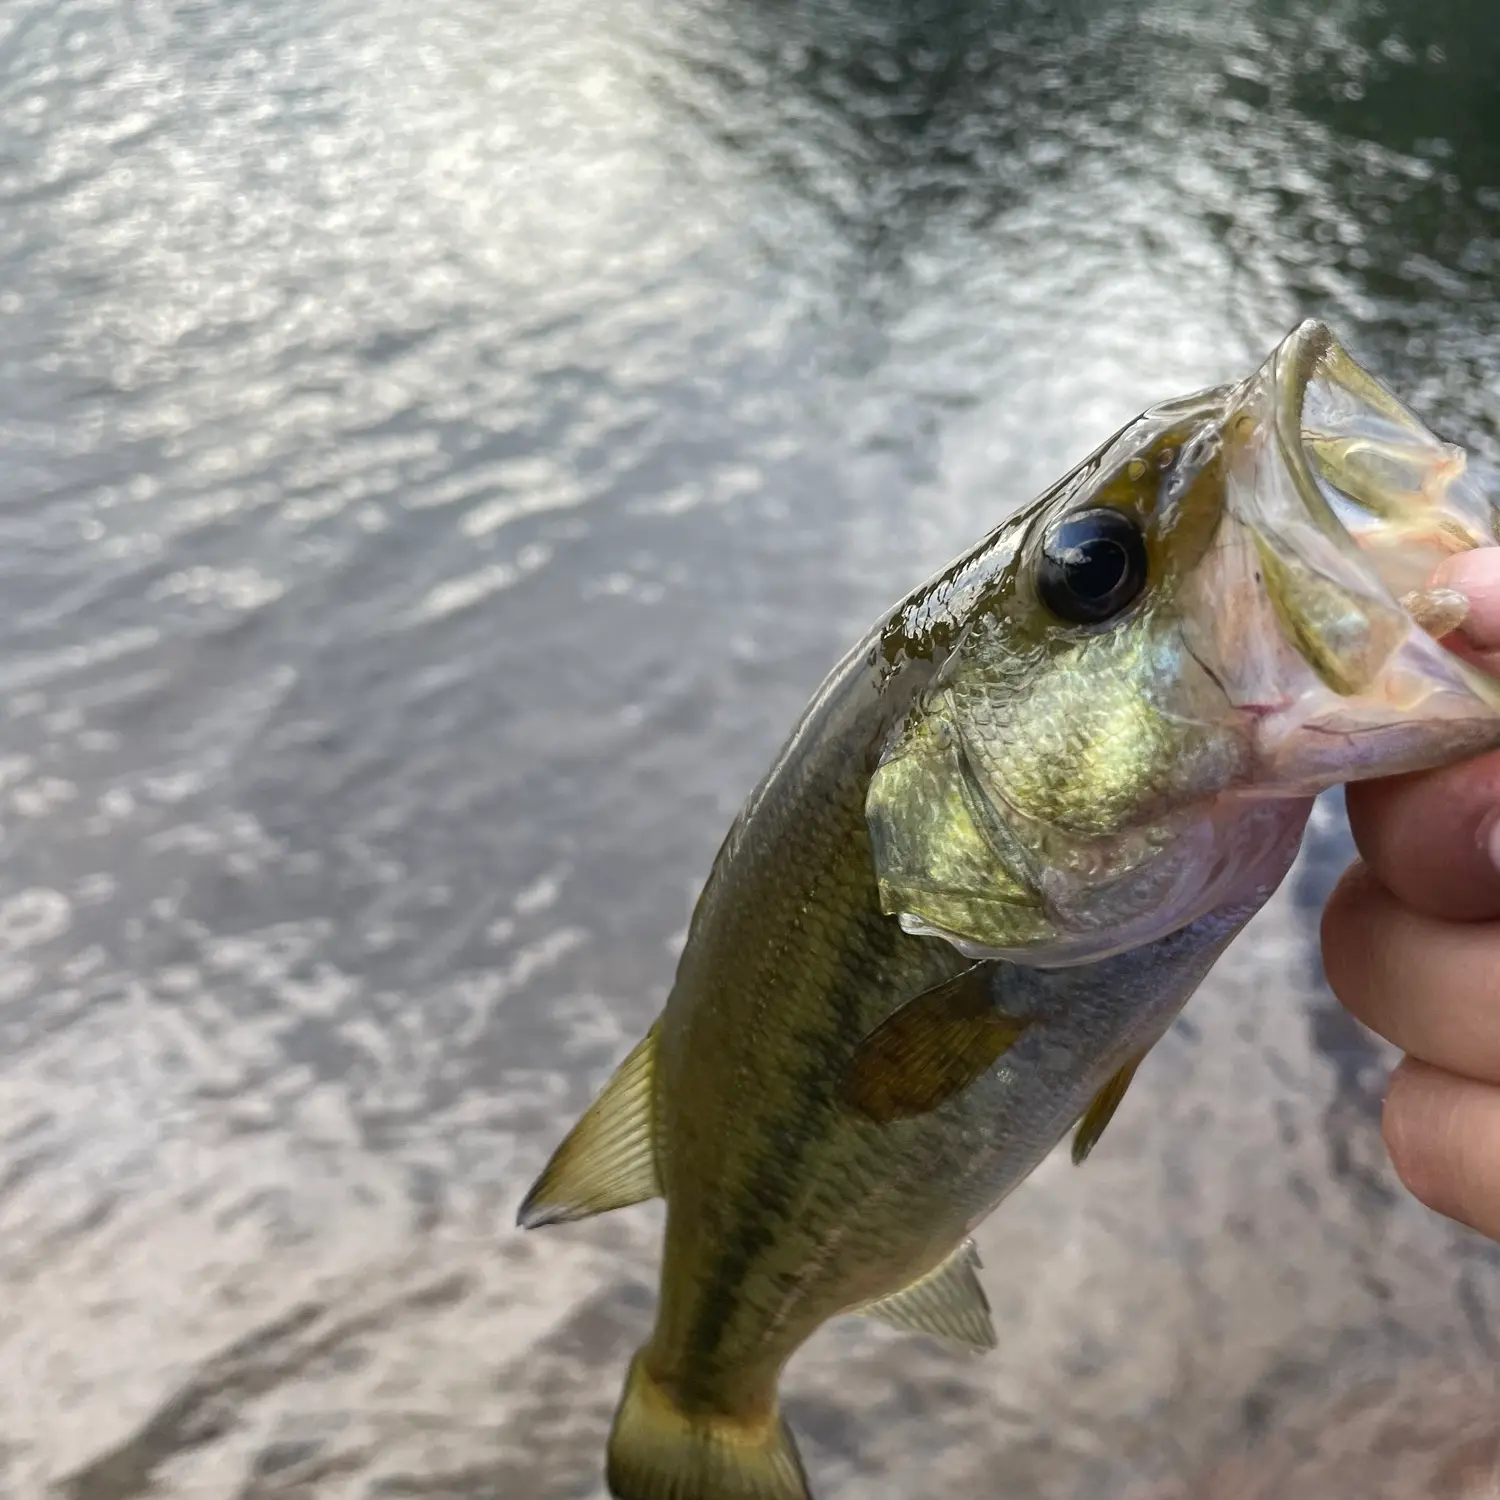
(1011, 834)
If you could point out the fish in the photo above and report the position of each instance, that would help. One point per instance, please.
(1008, 838)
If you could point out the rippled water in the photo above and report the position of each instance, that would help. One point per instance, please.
(443, 446)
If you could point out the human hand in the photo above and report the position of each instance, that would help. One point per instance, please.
(1411, 946)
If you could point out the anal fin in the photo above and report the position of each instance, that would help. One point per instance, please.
(608, 1159)
(948, 1304)
(1101, 1110)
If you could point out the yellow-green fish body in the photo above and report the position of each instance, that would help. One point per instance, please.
(1010, 836)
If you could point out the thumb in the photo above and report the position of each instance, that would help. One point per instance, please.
(1476, 575)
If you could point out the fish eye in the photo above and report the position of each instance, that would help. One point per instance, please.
(1093, 564)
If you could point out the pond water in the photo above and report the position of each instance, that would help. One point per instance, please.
(443, 447)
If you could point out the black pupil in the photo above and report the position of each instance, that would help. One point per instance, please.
(1092, 566)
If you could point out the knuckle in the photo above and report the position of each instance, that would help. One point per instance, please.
(1443, 1136)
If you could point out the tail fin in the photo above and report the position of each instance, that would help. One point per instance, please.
(659, 1452)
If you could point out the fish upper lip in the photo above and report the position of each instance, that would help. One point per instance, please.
(1306, 352)
(1342, 492)
(1387, 428)
(1294, 363)
(1293, 366)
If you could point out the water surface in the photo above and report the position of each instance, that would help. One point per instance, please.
(443, 447)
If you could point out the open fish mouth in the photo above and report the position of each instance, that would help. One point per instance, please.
(1340, 505)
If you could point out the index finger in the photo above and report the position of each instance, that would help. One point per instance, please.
(1433, 839)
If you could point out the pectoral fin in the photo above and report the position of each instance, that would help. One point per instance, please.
(1101, 1111)
(608, 1159)
(931, 1048)
(948, 1303)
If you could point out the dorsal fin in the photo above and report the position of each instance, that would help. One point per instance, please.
(1101, 1110)
(608, 1159)
(948, 1303)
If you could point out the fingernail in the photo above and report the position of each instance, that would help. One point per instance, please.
(1489, 837)
(1439, 611)
(1475, 575)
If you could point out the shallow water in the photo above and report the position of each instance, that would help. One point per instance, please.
(443, 448)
